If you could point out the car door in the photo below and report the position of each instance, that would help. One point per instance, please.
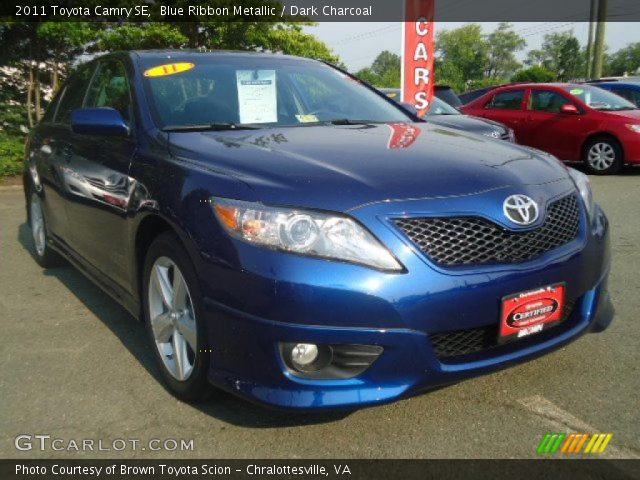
(506, 106)
(546, 127)
(98, 214)
(50, 153)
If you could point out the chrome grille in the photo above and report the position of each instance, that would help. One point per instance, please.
(476, 241)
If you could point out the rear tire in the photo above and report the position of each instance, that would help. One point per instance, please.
(42, 252)
(603, 156)
(173, 315)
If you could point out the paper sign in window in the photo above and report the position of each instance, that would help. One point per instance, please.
(257, 98)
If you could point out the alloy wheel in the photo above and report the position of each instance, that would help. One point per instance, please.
(601, 156)
(172, 318)
(37, 225)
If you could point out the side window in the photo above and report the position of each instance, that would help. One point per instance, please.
(511, 100)
(547, 101)
(110, 88)
(73, 94)
(51, 109)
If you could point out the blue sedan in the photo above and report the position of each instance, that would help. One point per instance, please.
(290, 235)
(629, 89)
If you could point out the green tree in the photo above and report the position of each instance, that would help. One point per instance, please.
(290, 39)
(386, 62)
(62, 43)
(139, 36)
(464, 50)
(535, 74)
(561, 54)
(384, 71)
(502, 45)
(625, 61)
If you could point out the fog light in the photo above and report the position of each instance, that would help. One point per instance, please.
(306, 357)
(304, 354)
(328, 362)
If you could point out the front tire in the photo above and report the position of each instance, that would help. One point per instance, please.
(603, 156)
(44, 255)
(172, 309)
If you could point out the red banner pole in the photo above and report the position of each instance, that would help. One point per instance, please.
(418, 82)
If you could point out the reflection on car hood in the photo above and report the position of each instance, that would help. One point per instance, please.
(341, 167)
(468, 123)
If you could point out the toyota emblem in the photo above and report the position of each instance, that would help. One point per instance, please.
(521, 209)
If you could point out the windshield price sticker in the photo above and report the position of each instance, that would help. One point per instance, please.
(168, 69)
(257, 97)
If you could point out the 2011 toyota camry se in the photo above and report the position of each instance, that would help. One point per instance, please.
(288, 234)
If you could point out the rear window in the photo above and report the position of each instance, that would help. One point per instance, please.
(510, 100)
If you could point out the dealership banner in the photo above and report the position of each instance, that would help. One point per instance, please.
(417, 54)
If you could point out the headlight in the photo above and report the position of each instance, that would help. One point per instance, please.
(634, 128)
(304, 232)
(584, 187)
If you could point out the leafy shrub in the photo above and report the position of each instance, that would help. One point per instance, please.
(535, 74)
(11, 154)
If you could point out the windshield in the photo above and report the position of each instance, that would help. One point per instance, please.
(241, 91)
(439, 107)
(600, 99)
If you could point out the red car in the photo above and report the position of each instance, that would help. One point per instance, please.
(573, 122)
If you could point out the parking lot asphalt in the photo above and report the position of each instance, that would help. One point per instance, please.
(74, 365)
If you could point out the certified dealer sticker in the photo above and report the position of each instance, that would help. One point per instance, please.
(526, 313)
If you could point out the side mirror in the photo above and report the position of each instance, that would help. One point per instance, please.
(569, 109)
(410, 108)
(105, 121)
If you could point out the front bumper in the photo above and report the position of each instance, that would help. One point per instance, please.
(631, 145)
(408, 364)
(284, 298)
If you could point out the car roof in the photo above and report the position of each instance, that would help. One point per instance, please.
(539, 85)
(628, 83)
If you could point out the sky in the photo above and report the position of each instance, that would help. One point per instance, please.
(358, 44)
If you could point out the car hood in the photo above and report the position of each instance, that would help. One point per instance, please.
(631, 114)
(468, 124)
(342, 167)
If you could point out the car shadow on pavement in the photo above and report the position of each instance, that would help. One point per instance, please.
(133, 337)
(626, 171)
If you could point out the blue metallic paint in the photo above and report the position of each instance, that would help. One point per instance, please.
(99, 121)
(255, 298)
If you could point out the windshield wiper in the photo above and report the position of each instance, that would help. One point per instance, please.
(220, 126)
(347, 121)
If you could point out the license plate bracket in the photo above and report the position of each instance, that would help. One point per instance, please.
(528, 313)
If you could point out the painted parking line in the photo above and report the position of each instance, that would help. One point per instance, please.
(563, 421)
